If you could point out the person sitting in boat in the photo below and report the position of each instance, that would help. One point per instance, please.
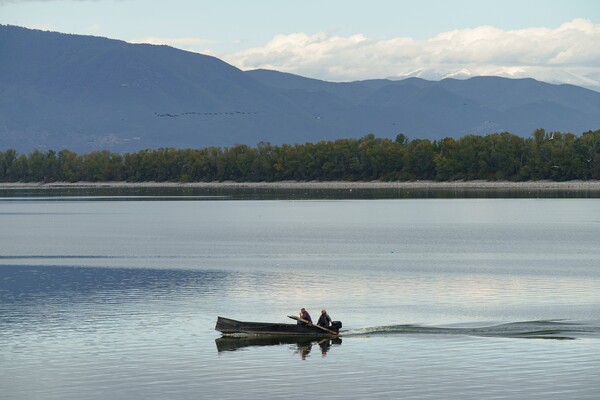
(305, 316)
(324, 319)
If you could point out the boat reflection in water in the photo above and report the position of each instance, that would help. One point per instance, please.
(301, 345)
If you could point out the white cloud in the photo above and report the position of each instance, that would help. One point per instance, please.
(569, 52)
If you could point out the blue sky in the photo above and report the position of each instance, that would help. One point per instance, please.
(551, 40)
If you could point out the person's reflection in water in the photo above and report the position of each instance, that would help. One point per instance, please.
(304, 350)
(325, 345)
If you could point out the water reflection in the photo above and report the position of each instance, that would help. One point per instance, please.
(266, 193)
(42, 283)
(300, 345)
(63, 300)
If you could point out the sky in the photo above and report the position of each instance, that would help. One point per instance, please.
(557, 41)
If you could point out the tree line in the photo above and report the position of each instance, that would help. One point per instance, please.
(500, 156)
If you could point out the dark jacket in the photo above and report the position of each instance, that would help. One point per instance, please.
(306, 316)
(324, 320)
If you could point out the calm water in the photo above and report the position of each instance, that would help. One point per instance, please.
(440, 298)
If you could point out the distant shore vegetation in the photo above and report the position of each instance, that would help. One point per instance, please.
(545, 155)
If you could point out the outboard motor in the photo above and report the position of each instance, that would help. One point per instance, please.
(336, 326)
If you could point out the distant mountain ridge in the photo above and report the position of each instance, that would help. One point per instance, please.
(88, 93)
(557, 77)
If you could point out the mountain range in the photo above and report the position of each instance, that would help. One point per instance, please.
(86, 93)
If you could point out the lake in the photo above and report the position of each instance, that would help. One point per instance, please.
(116, 296)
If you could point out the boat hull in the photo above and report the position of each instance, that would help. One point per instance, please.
(231, 327)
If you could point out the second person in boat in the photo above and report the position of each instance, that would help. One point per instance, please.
(324, 319)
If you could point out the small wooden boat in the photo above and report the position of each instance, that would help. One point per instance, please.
(230, 326)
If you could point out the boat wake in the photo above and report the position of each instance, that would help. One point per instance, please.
(554, 329)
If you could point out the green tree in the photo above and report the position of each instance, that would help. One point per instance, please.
(446, 161)
(42, 166)
(7, 160)
(419, 160)
(68, 166)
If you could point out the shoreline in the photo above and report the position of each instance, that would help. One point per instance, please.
(593, 185)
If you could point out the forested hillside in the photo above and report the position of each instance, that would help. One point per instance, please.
(87, 93)
(502, 156)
